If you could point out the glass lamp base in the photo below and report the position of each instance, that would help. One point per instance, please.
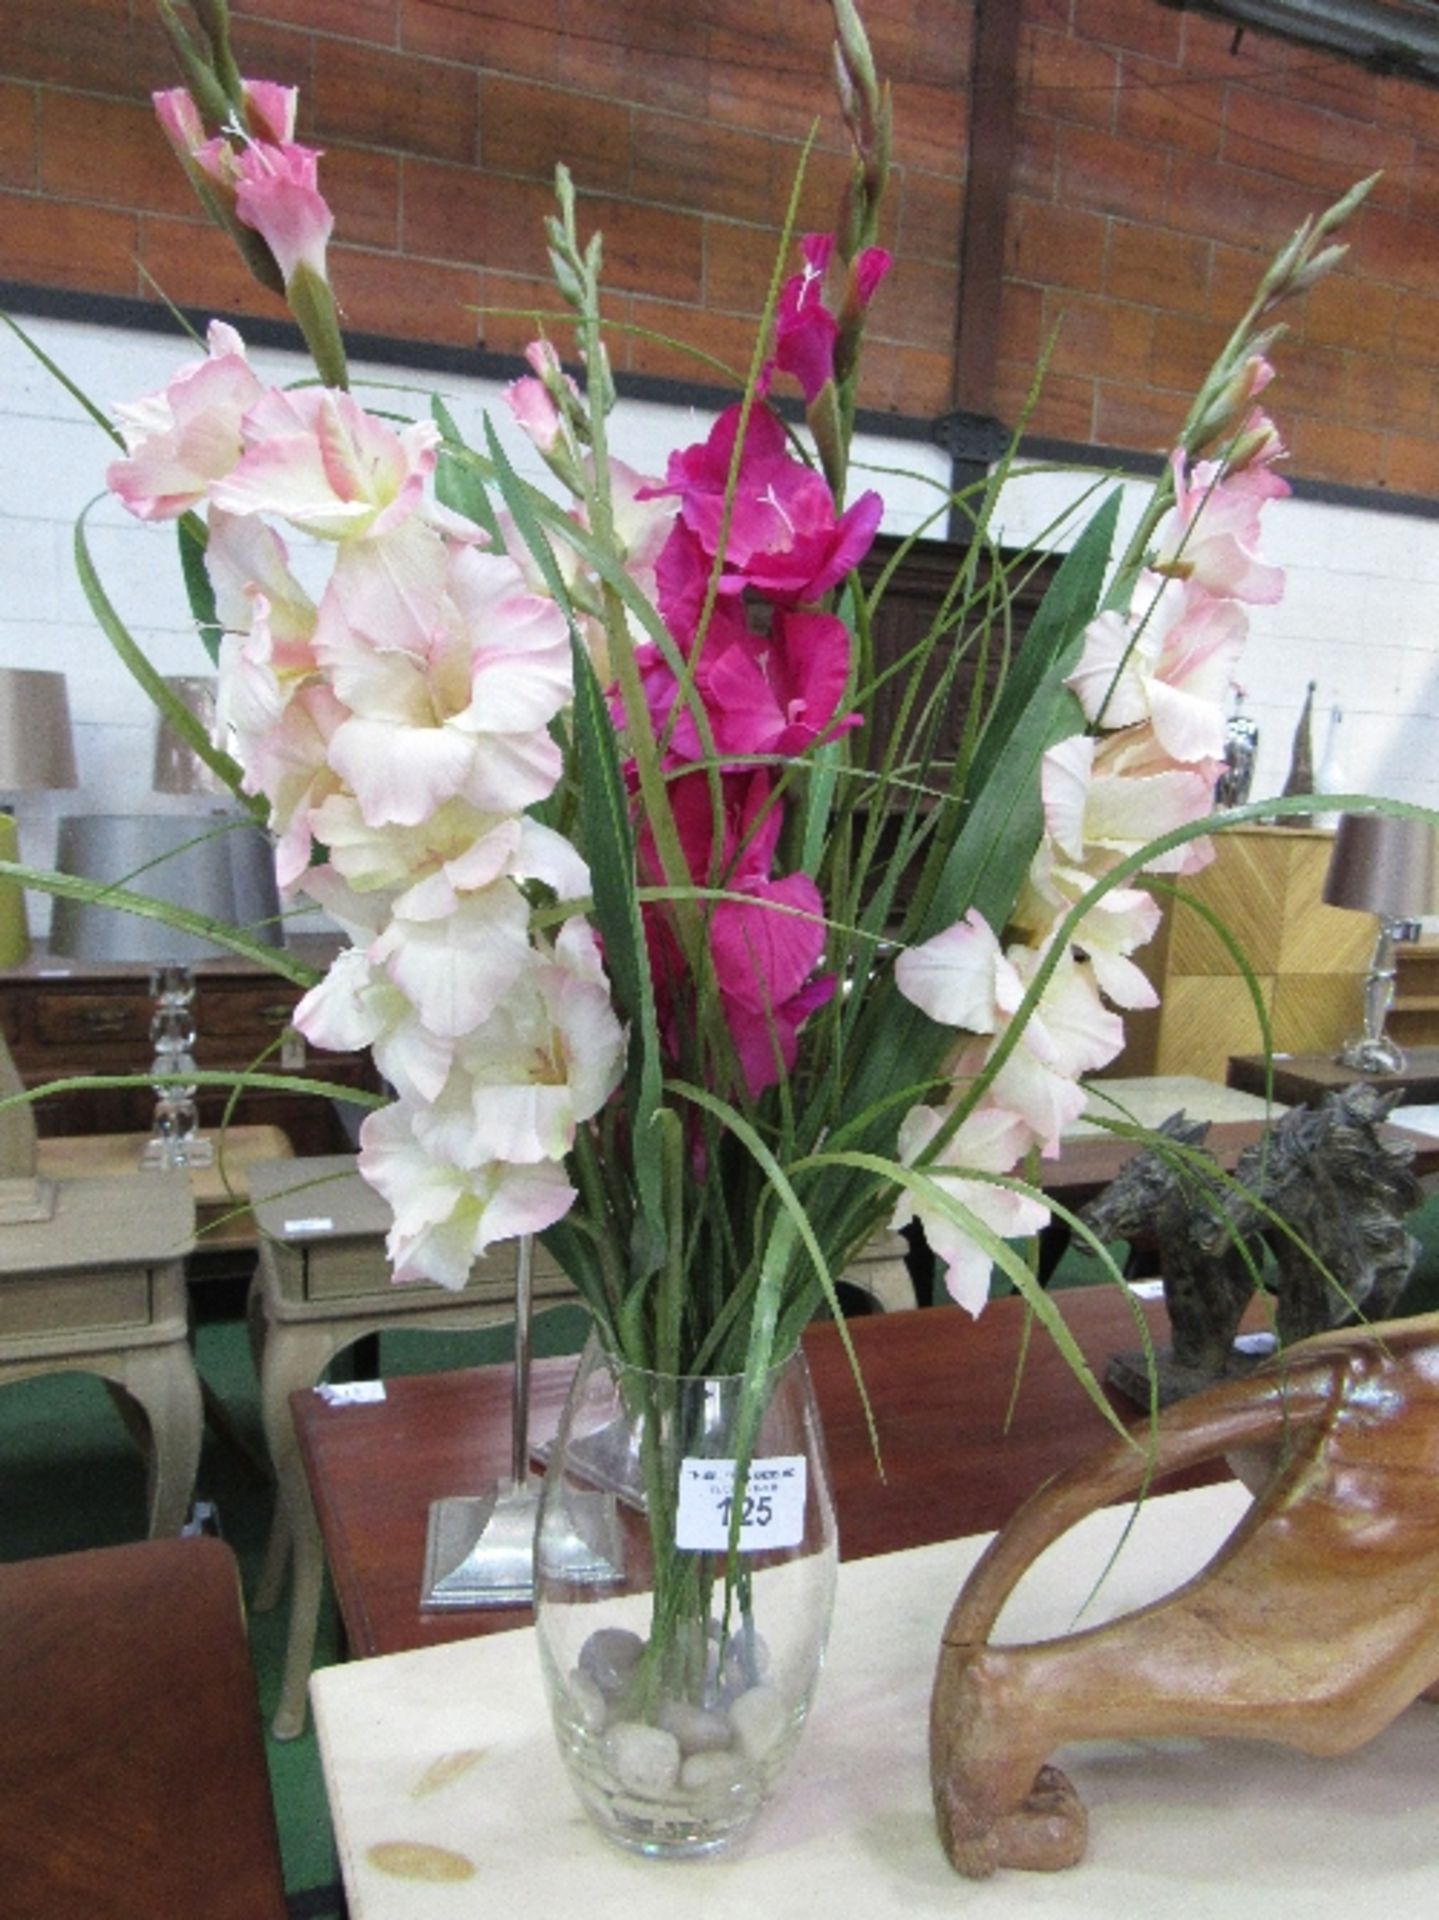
(1377, 1055)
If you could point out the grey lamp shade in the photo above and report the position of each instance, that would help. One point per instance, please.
(37, 750)
(1382, 865)
(178, 768)
(214, 864)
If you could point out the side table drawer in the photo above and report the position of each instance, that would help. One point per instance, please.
(70, 1022)
(69, 1303)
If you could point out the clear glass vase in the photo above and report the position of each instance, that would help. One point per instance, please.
(681, 1642)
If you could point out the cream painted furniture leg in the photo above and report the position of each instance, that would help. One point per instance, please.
(100, 1288)
(882, 1272)
(322, 1283)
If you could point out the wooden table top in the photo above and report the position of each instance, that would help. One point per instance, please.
(940, 1384)
(132, 1769)
(1302, 1079)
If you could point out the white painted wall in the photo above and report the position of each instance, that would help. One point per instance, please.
(1361, 613)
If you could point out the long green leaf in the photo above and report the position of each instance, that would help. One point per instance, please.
(609, 842)
(152, 683)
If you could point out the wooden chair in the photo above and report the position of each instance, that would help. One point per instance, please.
(132, 1767)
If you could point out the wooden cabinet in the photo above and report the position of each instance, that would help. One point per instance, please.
(62, 1020)
(1265, 887)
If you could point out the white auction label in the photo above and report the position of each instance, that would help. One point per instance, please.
(773, 1511)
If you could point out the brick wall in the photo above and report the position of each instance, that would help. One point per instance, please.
(1158, 167)
(442, 121)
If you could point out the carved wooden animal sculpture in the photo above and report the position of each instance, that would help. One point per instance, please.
(1315, 1624)
(1208, 1282)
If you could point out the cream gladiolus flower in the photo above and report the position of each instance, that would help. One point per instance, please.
(989, 1140)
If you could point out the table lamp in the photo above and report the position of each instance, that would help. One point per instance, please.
(37, 754)
(218, 865)
(1385, 866)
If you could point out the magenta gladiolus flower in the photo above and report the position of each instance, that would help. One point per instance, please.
(869, 270)
(783, 537)
(780, 695)
(805, 330)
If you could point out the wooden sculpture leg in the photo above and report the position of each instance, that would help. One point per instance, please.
(997, 1802)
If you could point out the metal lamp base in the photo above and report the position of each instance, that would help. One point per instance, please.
(480, 1550)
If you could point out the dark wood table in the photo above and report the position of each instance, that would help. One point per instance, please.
(1302, 1079)
(940, 1384)
(132, 1770)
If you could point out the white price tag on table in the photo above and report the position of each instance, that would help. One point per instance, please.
(773, 1513)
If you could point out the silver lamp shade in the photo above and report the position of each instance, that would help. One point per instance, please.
(218, 865)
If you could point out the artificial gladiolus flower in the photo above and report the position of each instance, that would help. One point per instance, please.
(1211, 532)
(357, 1005)
(1069, 1032)
(783, 537)
(451, 687)
(779, 695)
(318, 460)
(1115, 925)
(447, 1216)
(1169, 662)
(546, 1060)
(180, 120)
(277, 194)
(805, 330)
(988, 1140)
(248, 564)
(960, 977)
(1097, 814)
(181, 440)
(271, 110)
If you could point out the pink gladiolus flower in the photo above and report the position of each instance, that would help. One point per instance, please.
(1210, 534)
(317, 459)
(276, 193)
(765, 944)
(531, 401)
(451, 672)
(180, 120)
(180, 441)
(270, 110)
(1170, 662)
(989, 1140)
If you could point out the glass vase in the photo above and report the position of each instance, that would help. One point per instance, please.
(685, 1566)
